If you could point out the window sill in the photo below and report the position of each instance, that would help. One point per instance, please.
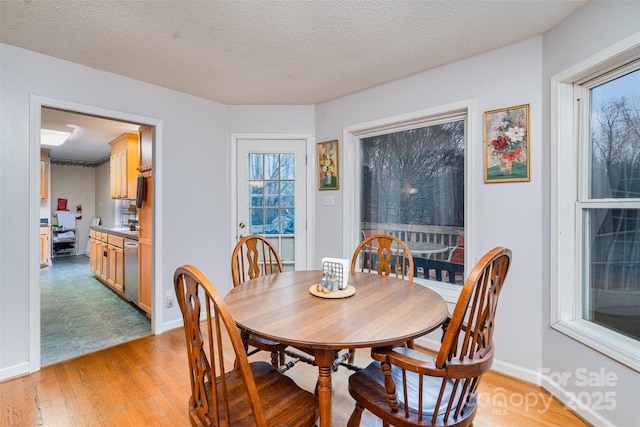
(610, 343)
(448, 292)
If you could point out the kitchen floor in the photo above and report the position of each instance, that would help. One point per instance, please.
(80, 315)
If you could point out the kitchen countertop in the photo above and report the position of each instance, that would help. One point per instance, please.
(118, 230)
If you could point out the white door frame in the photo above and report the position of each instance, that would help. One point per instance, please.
(309, 196)
(35, 105)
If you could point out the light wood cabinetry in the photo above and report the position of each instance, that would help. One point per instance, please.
(123, 166)
(115, 273)
(106, 259)
(93, 251)
(44, 174)
(103, 258)
(145, 150)
(145, 253)
(45, 246)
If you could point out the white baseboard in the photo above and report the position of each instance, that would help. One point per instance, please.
(14, 371)
(172, 324)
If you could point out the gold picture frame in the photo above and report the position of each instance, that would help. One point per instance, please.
(506, 145)
(328, 176)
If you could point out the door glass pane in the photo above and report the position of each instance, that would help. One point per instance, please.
(272, 193)
(256, 225)
(413, 187)
(255, 166)
(613, 269)
(287, 166)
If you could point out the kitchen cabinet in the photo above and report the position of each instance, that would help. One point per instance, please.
(145, 148)
(106, 259)
(103, 258)
(44, 174)
(93, 251)
(115, 273)
(123, 166)
(44, 246)
(98, 255)
(145, 252)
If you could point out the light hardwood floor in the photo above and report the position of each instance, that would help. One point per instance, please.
(145, 383)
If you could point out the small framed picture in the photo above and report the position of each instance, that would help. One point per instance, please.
(506, 145)
(328, 176)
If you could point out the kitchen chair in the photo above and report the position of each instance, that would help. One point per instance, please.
(405, 387)
(224, 391)
(255, 256)
(384, 254)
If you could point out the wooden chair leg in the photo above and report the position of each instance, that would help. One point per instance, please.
(275, 359)
(352, 356)
(356, 416)
(245, 339)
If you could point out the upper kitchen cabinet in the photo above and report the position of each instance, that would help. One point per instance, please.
(44, 174)
(145, 148)
(123, 166)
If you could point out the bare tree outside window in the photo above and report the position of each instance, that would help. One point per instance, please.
(613, 280)
(412, 186)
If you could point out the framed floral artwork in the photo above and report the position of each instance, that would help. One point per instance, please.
(506, 145)
(328, 178)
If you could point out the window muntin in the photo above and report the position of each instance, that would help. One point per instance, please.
(412, 185)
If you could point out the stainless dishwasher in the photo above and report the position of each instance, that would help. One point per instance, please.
(131, 270)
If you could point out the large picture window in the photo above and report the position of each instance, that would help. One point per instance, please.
(410, 182)
(412, 186)
(596, 226)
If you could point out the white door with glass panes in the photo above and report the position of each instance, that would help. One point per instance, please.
(271, 196)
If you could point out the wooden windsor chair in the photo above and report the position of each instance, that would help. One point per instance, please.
(405, 387)
(228, 391)
(255, 256)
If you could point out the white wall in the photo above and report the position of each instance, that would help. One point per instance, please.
(502, 211)
(515, 215)
(193, 161)
(194, 132)
(590, 30)
(298, 119)
(76, 184)
(105, 205)
(195, 167)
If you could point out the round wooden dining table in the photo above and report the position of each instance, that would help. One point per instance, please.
(383, 311)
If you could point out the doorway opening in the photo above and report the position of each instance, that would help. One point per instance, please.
(70, 269)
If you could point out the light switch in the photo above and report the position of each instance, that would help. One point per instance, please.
(328, 200)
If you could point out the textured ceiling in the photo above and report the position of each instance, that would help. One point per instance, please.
(272, 52)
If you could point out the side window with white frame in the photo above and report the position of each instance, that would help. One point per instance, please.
(597, 179)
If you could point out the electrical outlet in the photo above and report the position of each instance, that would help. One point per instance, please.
(170, 301)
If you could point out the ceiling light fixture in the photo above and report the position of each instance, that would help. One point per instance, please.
(54, 135)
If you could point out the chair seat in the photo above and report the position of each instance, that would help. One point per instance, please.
(367, 387)
(278, 395)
